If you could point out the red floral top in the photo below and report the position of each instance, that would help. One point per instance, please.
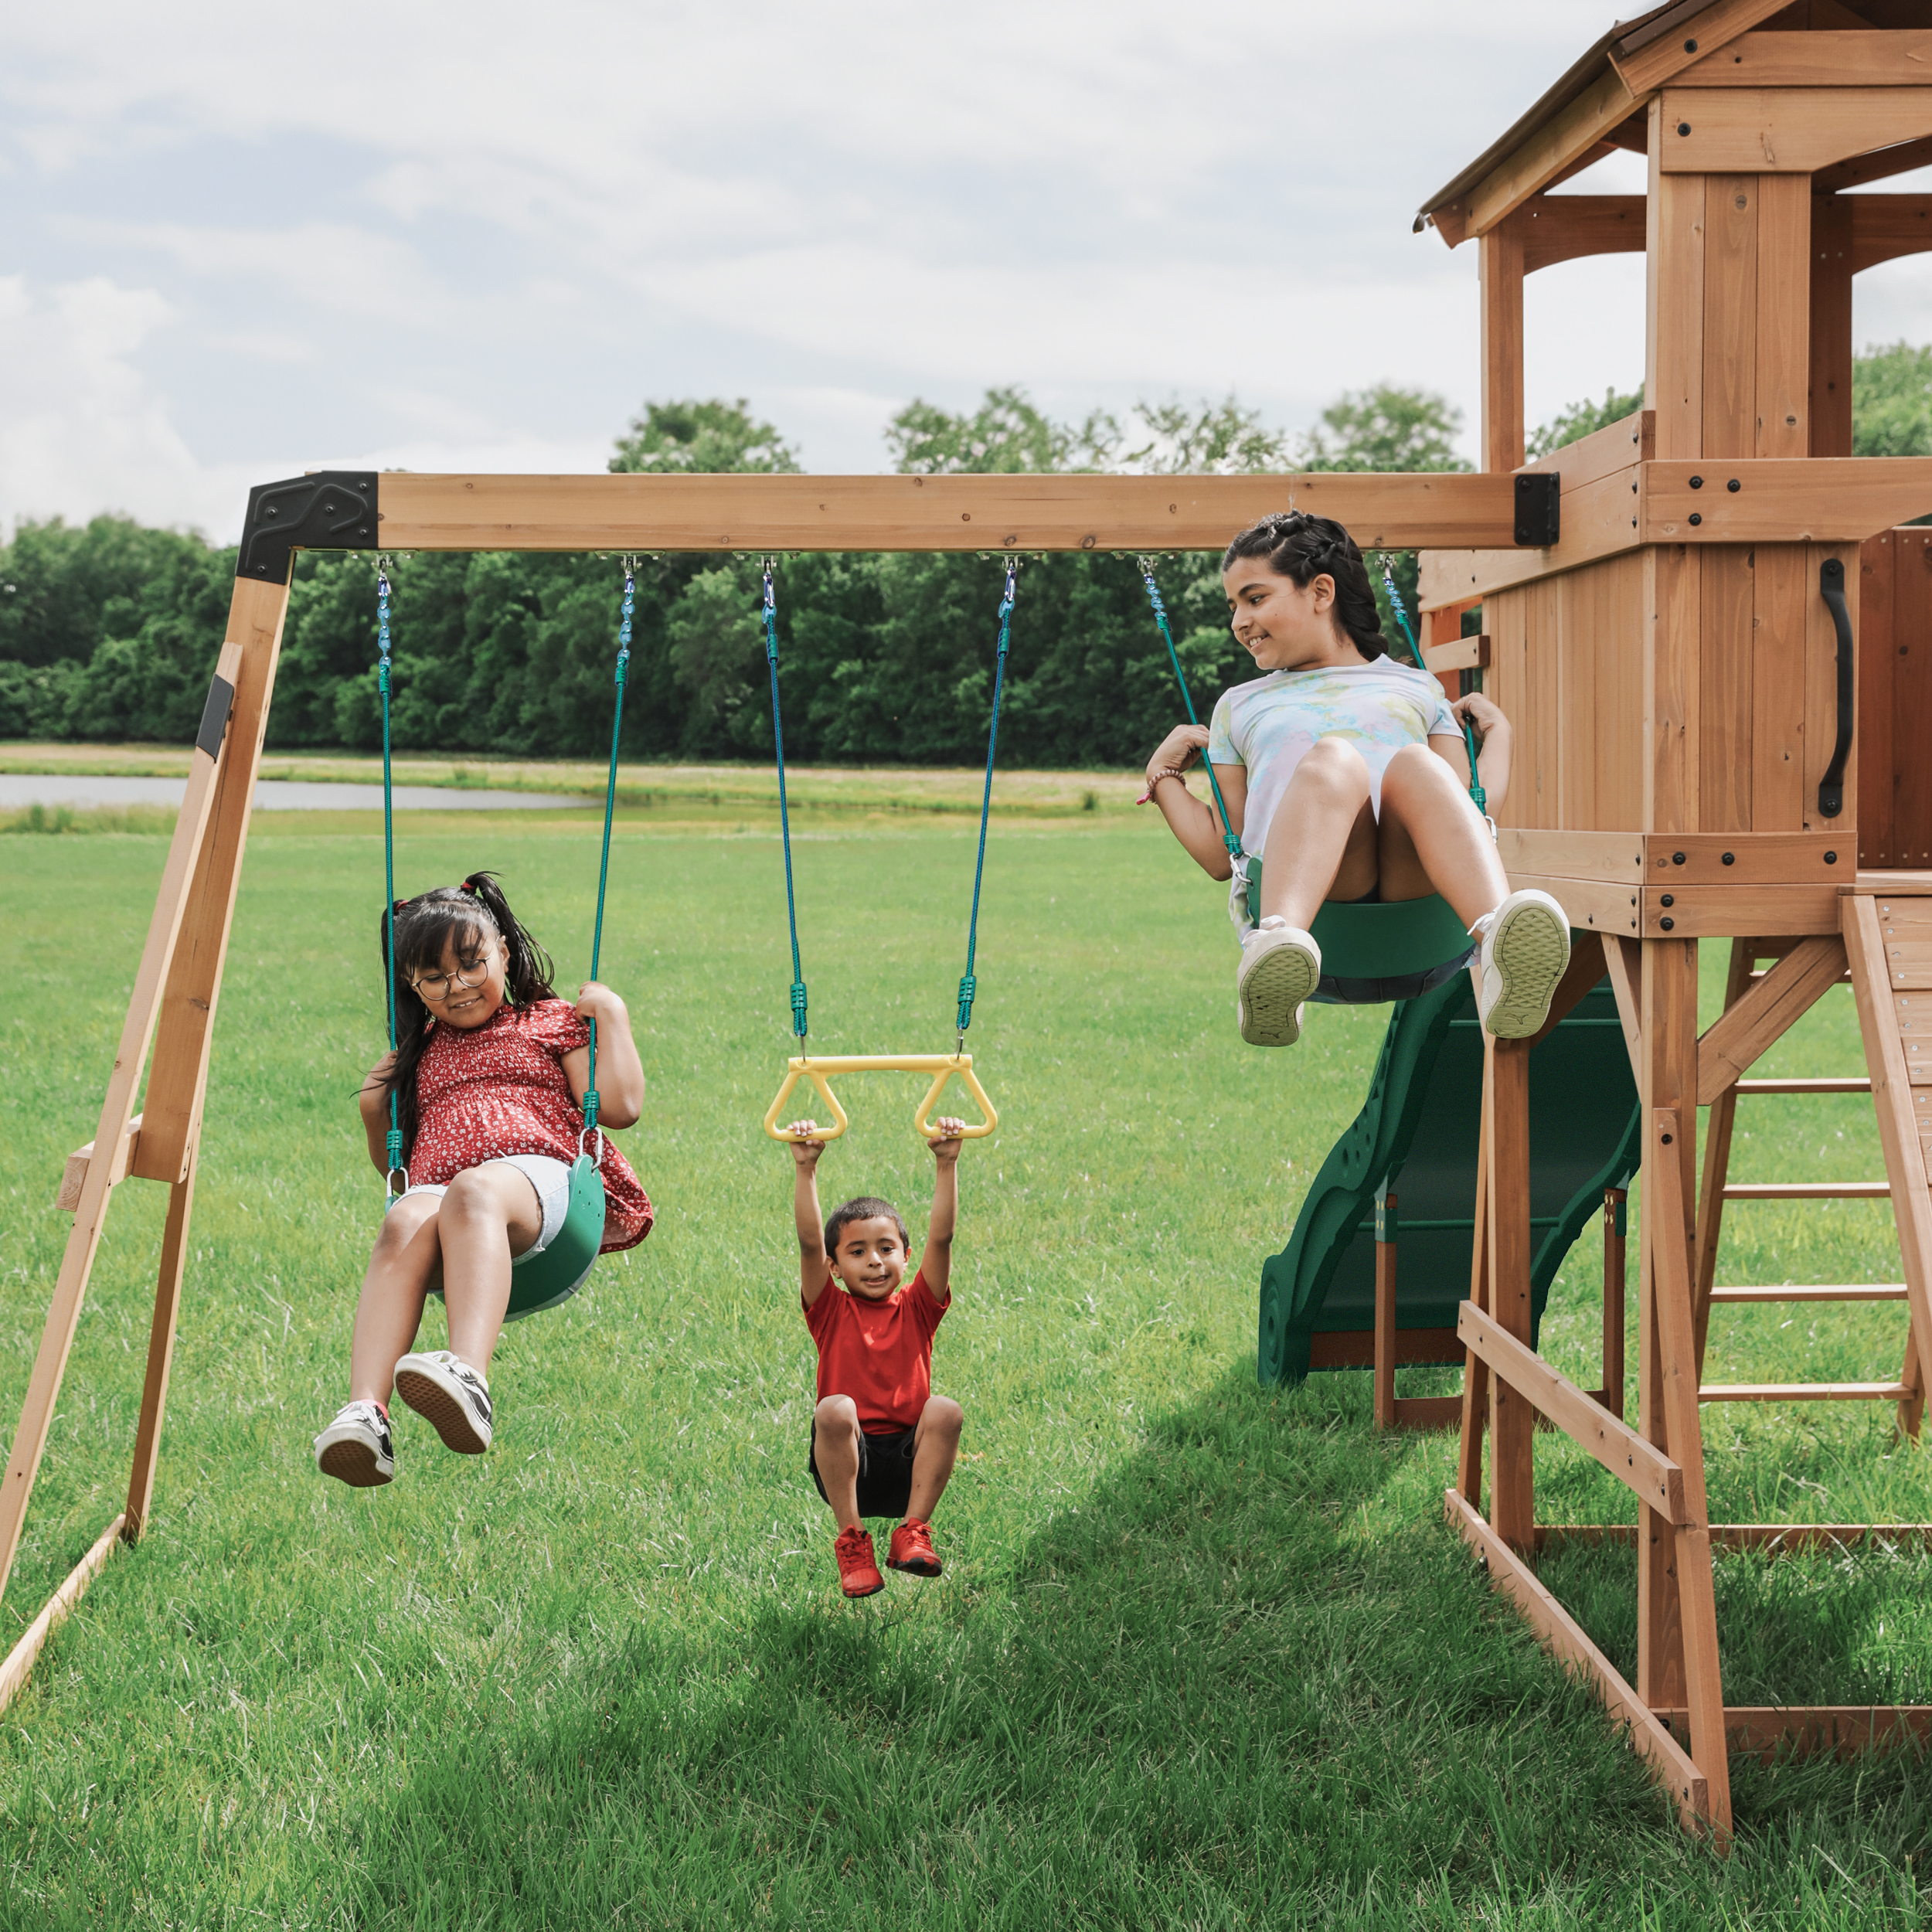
(500, 1088)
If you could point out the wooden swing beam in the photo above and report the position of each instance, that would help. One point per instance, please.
(178, 985)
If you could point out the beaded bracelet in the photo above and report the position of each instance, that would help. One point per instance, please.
(1155, 778)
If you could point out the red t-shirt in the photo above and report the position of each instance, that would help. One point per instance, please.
(880, 1353)
(500, 1088)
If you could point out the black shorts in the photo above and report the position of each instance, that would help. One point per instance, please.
(885, 1472)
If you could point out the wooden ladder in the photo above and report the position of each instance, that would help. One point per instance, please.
(1886, 952)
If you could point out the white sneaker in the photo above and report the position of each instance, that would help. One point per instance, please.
(1526, 946)
(356, 1448)
(1280, 966)
(454, 1398)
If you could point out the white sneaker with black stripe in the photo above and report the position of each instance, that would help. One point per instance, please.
(355, 1448)
(454, 1398)
(1525, 948)
(1281, 966)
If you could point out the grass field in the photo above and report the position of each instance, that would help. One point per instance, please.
(1204, 1654)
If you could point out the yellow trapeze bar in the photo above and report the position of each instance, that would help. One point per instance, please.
(815, 1067)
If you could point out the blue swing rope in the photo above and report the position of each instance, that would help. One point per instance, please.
(1478, 797)
(389, 868)
(968, 985)
(604, 863)
(1228, 838)
(770, 615)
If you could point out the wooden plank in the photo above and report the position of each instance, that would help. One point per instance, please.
(1665, 46)
(1506, 1121)
(1816, 59)
(1822, 499)
(1623, 960)
(1717, 1159)
(185, 1032)
(1609, 451)
(1782, 379)
(1615, 1201)
(1671, 652)
(1751, 1027)
(1785, 130)
(1830, 325)
(1848, 1085)
(1703, 1681)
(1573, 132)
(1645, 1468)
(1549, 228)
(1714, 912)
(1619, 695)
(1355, 1349)
(20, 1659)
(73, 1177)
(1600, 519)
(1461, 654)
(63, 1313)
(1844, 1731)
(1754, 857)
(1802, 1392)
(1900, 1133)
(1808, 1191)
(1500, 274)
(1475, 1372)
(1725, 700)
(1771, 1538)
(1778, 1297)
(1674, 365)
(1885, 227)
(1427, 1412)
(161, 1353)
(1899, 159)
(1730, 315)
(1876, 787)
(1910, 661)
(1780, 595)
(1440, 511)
(1560, 1631)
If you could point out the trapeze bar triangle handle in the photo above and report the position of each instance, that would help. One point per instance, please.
(816, 1067)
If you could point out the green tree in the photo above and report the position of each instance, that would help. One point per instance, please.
(1386, 427)
(703, 439)
(1572, 424)
(1204, 439)
(1892, 402)
(1007, 435)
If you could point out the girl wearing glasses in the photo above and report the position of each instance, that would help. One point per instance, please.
(488, 1074)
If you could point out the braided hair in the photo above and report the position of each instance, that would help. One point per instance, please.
(1301, 547)
(470, 916)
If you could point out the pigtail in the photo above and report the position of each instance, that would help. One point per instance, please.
(531, 971)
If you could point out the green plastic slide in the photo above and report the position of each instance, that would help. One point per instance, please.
(1416, 1136)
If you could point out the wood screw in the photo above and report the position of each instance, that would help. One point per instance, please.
(1683, 127)
(1730, 858)
(1734, 486)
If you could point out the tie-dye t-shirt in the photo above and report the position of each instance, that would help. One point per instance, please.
(1269, 725)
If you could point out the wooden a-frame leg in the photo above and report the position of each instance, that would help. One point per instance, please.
(1512, 1502)
(1677, 1365)
(1614, 1200)
(1717, 1159)
(1475, 1371)
(1668, 1034)
(161, 1352)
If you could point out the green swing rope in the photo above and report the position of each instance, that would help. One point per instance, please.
(968, 985)
(769, 611)
(389, 871)
(1477, 795)
(604, 863)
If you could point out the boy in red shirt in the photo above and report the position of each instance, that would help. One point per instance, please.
(882, 1444)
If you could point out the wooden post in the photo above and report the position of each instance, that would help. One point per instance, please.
(1512, 1512)
(161, 1354)
(1717, 1161)
(1500, 266)
(1669, 1033)
(1475, 1371)
(1385, 1369)
(1614, 1200)
(1829, 350)
(1674, 301)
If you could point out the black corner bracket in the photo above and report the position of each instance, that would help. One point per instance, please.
(332, 510)
(1538, 509)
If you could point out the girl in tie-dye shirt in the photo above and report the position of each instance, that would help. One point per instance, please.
(1345, 774)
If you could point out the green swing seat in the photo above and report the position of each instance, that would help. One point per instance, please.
(1398, 949)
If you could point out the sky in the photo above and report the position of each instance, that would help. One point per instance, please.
(239, 242)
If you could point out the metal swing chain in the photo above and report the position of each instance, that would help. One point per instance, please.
(968, 985)
(1228, 838)
(769, 613)
(395, 1142)
(1479, 798)
(604, 863)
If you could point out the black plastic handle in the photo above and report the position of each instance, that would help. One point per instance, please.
(1831, 787)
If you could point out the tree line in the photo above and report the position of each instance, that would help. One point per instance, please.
(109, 631)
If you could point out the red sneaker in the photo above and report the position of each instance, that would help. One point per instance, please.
(912, 1548)
(858, 1573)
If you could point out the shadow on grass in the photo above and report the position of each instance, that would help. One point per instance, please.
(1206, 1696)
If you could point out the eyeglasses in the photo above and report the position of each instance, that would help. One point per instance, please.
(440, 986)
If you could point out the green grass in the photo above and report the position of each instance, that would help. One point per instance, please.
(1204, 1654)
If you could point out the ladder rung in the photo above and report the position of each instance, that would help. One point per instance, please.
(1846, 1086)
(1848, 1292)
(1809, 1191)
(1804, 1392)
